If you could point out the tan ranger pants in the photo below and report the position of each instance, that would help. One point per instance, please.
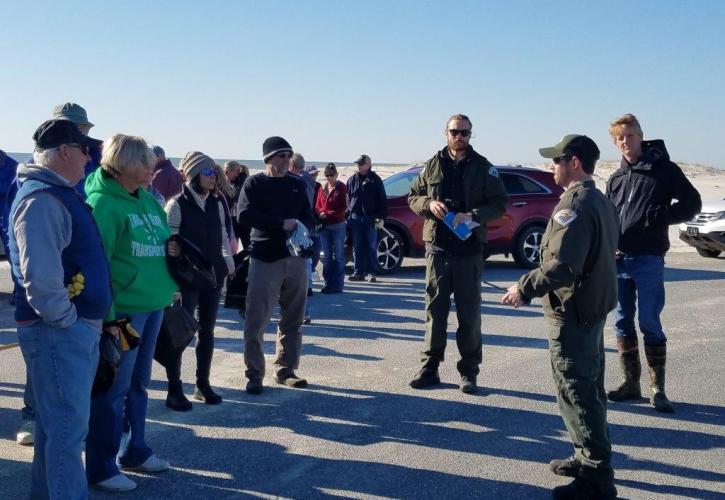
(284, 282)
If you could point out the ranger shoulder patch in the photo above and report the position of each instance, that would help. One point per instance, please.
(565, 216)
(493, 171)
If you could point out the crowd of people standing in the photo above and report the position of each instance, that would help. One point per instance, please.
(94, 231)
(85, 276)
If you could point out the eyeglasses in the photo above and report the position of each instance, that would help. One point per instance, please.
(284, 155)
(559, 159)
(462, 132)
(208, 172)
(82, 147)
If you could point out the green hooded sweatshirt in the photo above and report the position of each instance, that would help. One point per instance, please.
(134, 231)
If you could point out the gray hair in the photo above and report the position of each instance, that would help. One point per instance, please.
(45, 157)
(297, 161)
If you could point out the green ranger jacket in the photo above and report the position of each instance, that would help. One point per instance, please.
(577, 274)
(484, 194)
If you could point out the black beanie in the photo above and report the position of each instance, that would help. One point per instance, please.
(274, 145)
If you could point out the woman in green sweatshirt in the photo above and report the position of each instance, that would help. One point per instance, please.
(134, 231)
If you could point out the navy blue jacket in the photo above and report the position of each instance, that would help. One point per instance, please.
(366, 196)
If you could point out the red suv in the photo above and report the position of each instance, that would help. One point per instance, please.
(533, 195)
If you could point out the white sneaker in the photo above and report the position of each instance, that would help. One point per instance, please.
(118, 483)
(316, 276)
(25, 433)
(152, 464)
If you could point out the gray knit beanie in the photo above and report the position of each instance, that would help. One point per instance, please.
(274, 145)
(194, 162)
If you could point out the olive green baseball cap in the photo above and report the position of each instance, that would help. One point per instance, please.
(73, 112)
(572, 144)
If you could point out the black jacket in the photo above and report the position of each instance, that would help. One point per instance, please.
(264, 204)
(366, 196)
(643, 194)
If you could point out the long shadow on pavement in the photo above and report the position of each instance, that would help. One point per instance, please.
(681, 274)
(363, 418)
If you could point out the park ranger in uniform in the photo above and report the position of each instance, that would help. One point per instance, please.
(457, 179)
(578, 279)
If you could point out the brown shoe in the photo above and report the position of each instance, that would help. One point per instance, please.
(291, 380)
(565, 467)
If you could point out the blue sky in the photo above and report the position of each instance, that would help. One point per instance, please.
(340, 78)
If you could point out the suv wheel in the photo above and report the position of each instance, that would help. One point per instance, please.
(390, 251)
(708, 253)
(527, 248)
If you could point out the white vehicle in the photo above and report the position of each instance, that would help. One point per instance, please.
(706, 231)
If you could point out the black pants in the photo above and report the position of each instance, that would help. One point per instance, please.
(208, 306)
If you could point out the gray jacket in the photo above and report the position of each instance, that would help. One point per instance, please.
(42, 228)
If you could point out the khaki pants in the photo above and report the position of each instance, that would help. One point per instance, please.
(284, 282)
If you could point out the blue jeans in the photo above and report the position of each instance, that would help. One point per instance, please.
(640, 283)
(316, 246)
(333, 245)
(364, 245)
(28, 413)
(61, 361)
(126, 400)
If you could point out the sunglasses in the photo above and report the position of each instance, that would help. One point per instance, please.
(82, 147)
(208, 172)
(284, 155)
(462, 132)
(559, 159)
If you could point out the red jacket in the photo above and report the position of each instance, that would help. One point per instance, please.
(333, 205)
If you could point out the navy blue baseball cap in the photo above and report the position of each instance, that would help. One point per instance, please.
(53, 133)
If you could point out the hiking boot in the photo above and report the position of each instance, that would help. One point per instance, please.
(25, 435)
(426, 377)
(328, 290)
(175, 399)
(656, 361)
(584, 489)
(632, 369)
(205, 393)
(291, 380)
(565, 467)
(356, 277)
(468, 384)
(254, 386)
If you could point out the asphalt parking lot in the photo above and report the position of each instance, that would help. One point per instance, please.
(359, 431)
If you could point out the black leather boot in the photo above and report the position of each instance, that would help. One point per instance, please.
(175, 399)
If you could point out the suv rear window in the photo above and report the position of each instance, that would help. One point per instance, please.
(520, 184)
(399, 184)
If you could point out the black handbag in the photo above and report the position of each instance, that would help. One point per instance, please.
(177, 329)
(237, 283)
(109, 351)
(191, 270)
